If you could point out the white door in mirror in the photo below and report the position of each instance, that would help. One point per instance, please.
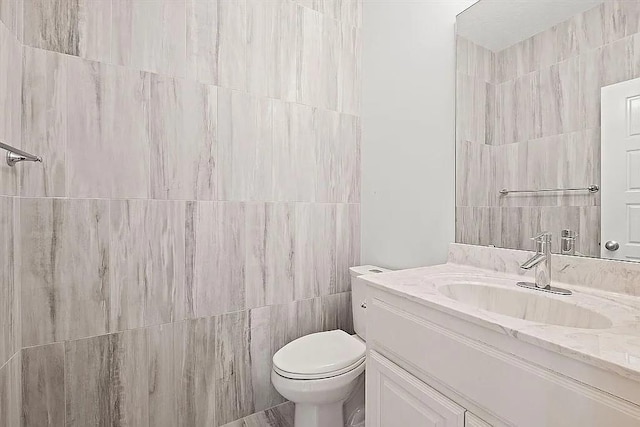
(620, 230)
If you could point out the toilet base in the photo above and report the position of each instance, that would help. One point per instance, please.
(328, 415)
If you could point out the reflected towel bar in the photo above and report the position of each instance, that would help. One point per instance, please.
(591, 189)
(15, 155)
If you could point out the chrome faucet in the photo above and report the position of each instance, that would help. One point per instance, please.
(541, 261)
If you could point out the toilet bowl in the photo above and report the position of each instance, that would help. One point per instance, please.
(318, 372)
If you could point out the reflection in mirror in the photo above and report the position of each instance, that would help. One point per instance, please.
(528, 118)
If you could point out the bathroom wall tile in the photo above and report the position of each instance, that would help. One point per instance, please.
(194, 353)
(82, 30)
(474, 173)
(106, 379)
(10, 392)
(294, 152)
(310, 69)
(43, 386)
(44, 124)
(348, 171)
(110, 106)
(315, 264)
(11, 16)
(150, 35)
(270, 250)
(245, 146)
(233, 390)
(291, 321)
(473, 107)
(519, 224)
(271, 47)
(547, 48)
(215, 258)
(349, 80)
(330, 146)
(147, 257)
(9, 285)
(10, 102)
(65, 269)
(347, 244)
(163, 375)
(330, 62)
(183, 134)
(557, 97)
(478, 226)
(336, 312)
(216, 45)
(264, 394)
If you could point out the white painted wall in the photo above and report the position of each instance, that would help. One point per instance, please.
(408, 131)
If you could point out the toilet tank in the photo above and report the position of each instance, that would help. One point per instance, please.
(359, 296)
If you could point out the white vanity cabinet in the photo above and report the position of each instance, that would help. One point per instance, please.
(427, 367)
(396, 398)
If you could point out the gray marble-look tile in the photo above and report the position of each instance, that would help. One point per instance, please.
(215, 258)
(108, 111)
(349, 86)
(474, 174)
(336, 312)
(163, 371)
(194, 358)
(11, 16)
(270, 249)
(245, 146)
(80, 28)
(278, 416)
(519, 224)
(310, 70)
(347, 174)
(147, 258)
(44, 124)
(473, 97)
(65, 275)
(10, 392)
(216, 46)
(264, 394)
(347, 244)
(294, 153)
(478, 225)
(233, 389)
(557, 96)
(43, 386)
(106, 380)
(315, 250)
(11, 104)
(291, 321)
(150, 35)
(183, 134)
(271, 43)
(9, 285)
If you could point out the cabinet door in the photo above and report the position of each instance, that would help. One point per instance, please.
(396, 398)
(471, 420)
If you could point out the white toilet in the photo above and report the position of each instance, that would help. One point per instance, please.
(318, 372)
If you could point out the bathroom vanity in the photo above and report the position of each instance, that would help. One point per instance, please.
(460, 344)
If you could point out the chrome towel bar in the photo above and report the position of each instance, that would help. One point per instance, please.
(591, 189)
(15, 155)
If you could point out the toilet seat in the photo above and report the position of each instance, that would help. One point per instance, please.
(296, 376)
(320, 355)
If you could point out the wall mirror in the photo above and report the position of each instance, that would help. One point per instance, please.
(548, 125)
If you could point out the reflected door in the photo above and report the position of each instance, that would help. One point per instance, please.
(620, 231)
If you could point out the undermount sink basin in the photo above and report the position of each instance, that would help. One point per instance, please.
(533, 306)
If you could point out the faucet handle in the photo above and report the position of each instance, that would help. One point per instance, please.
(545, 236)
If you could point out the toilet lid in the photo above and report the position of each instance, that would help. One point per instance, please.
(319, 354)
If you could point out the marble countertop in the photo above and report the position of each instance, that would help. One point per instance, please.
(615, 349)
